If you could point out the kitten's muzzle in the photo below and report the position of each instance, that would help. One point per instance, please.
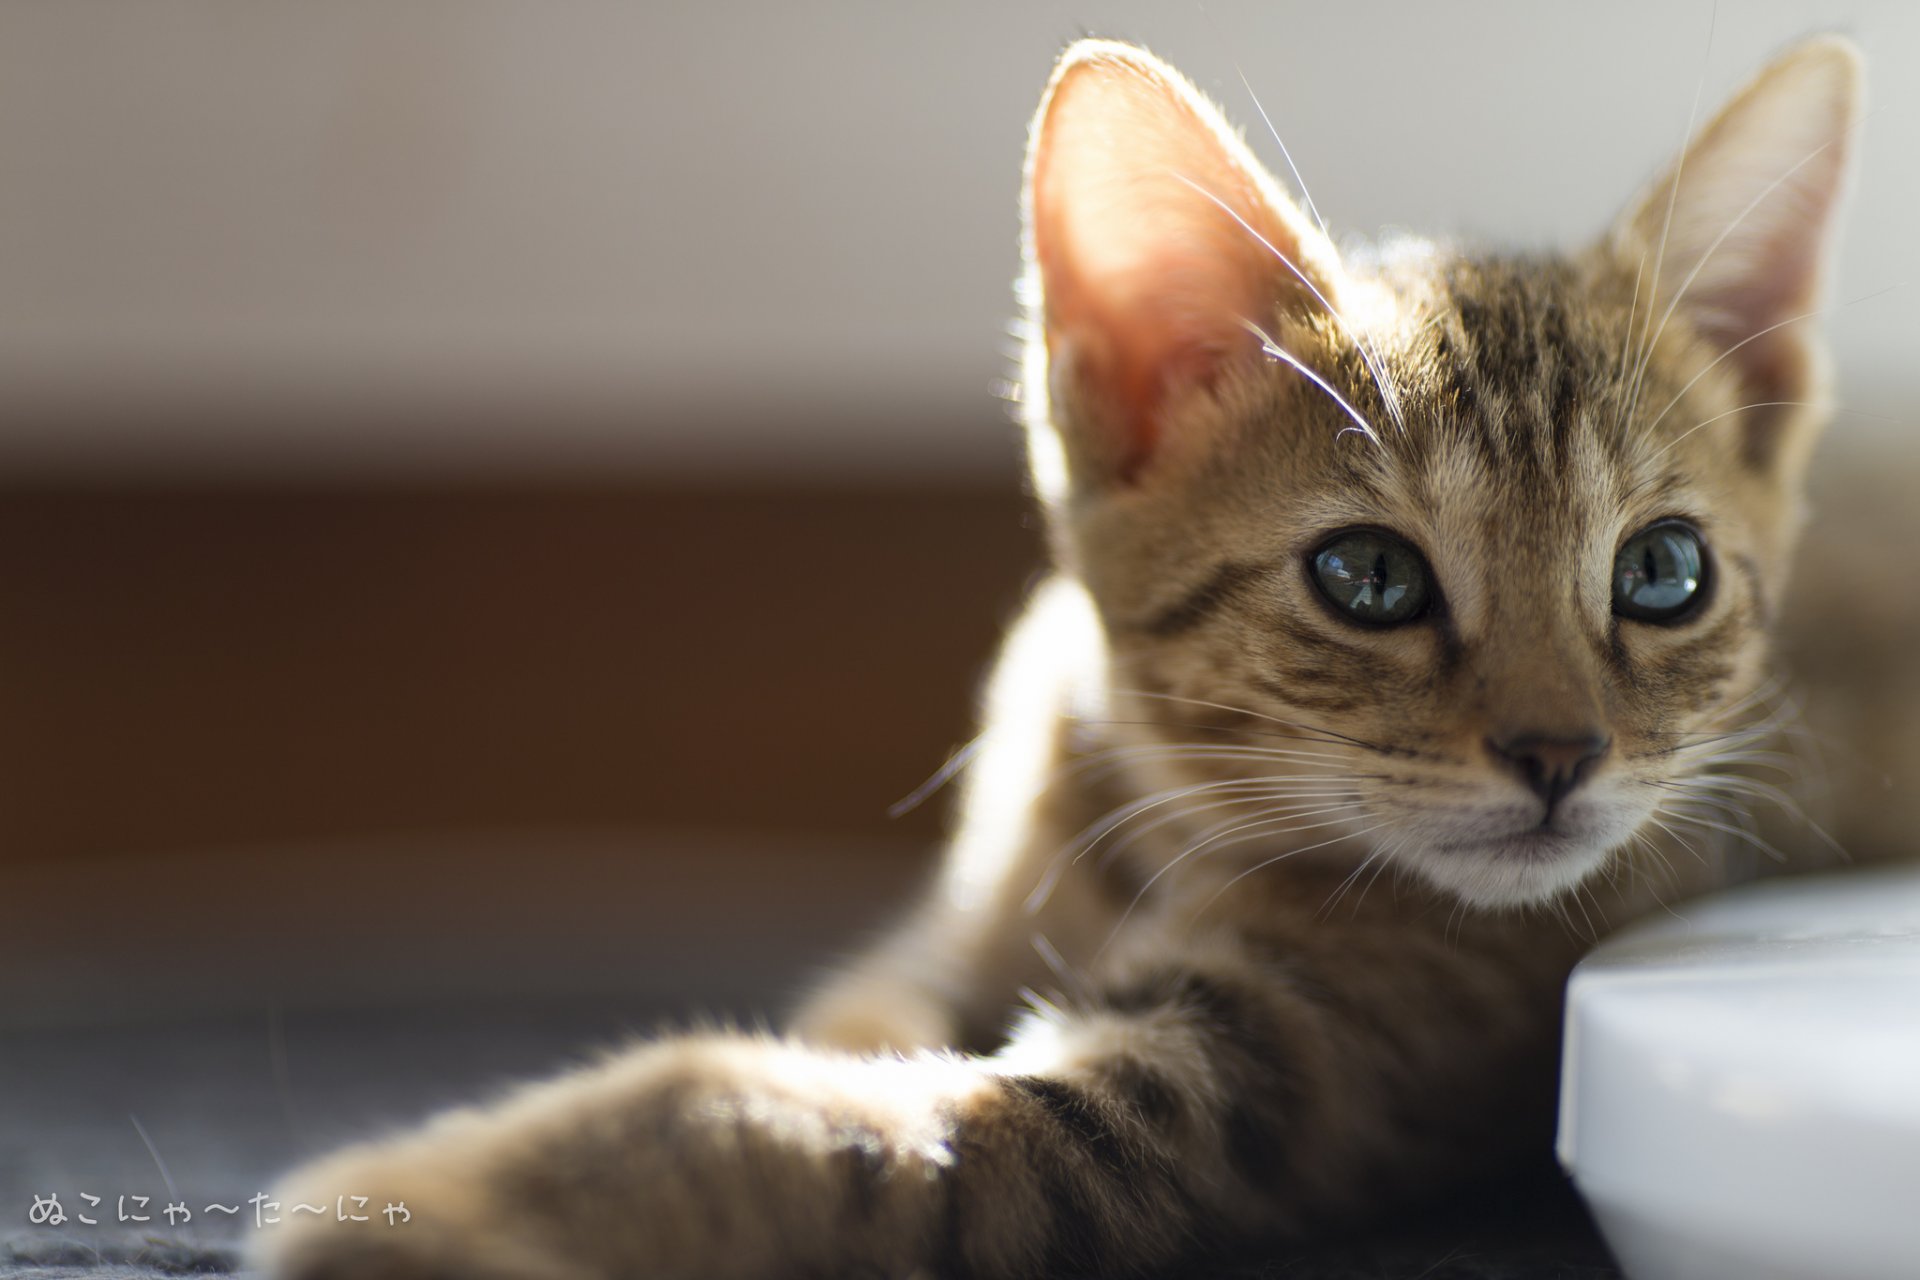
(1551, 766)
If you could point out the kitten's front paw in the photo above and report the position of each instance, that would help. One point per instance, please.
(718, 1158)
(445, 1224)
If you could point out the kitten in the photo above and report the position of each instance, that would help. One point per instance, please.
(1449, 568)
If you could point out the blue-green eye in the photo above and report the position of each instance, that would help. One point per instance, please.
(1372, 577)
(1660, 574)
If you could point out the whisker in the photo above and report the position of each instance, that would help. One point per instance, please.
(1729, 229)
(1574, 897)
(1273, 822)
(1736, 832)
(1108, 764)
(1242, 834)
(940, 777)
(1666, 225)
(166, 1175)
(1684, 843)
(1089, 837)
(1221, 728)
(1367, 357)
(1346, 883)
(1769, 404)
(1753, 337)
(1261, 866)
(1274, 349)
(1302, 803)
(1388, 395)
(1217, 751)
(1299, 183)
(1633, 307)
(1766, 791)
(1258, 715)
(1386, 852)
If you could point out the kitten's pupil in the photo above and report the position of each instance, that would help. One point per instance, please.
(1659, 574)
(1371, 577)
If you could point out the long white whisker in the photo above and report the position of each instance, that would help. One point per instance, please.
(1095, 769)
(1633, 308)
(1219, 751)
(1090, 836)
(1752, 337)
(1351, 878)
(1195, 848)
(1768, 404)
(1299, 183)
(1367, 357)
(1720, 239)
(1324, 734)
(1106, 825)
(1272, 348)
(1301, 806)
(1707, 422)
(1666, 226)
(1388, 394)
(1737, 832)
(1325, 737)
(1261, 866)
(1279, 820)
(1386, 852)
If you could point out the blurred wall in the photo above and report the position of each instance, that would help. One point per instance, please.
(244, 235)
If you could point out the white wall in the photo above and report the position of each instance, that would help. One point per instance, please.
(679, 230)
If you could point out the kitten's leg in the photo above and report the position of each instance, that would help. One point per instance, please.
(1205, 1101)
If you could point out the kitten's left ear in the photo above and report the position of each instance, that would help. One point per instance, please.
(1745, 217)
(1153, 239)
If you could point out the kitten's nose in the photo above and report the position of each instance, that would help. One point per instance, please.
(1552, 766)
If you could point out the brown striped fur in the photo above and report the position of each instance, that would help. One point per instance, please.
(1130, 1024)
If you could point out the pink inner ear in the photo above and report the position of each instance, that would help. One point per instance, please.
(1136, 339)
(1761, 275)
(1739, 226)
(1156, 238)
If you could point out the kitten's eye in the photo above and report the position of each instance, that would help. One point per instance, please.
(1372, 577)
(1659, 573)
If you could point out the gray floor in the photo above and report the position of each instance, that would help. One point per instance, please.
(207, 1111)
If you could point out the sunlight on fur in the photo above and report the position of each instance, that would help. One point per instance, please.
(1406, 629)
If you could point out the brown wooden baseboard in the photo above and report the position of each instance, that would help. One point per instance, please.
(191, 667)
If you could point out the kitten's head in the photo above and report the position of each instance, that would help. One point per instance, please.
(1489, 543)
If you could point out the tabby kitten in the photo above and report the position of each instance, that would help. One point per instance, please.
(1446, 567)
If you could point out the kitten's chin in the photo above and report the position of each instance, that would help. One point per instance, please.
(1512, 871)
(1518, 867)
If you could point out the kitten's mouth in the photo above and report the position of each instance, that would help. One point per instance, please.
(1536, 843)
(1517, 865)
(1544, 841)
(1504, 855)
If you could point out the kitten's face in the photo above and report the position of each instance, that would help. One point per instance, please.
(1486, 546)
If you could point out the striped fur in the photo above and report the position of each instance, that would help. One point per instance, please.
(1157, 1008)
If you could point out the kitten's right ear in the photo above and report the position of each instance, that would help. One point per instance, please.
(1740, 227)
(1153, 238)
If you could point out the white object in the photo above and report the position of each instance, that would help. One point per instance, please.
(1740, 1095)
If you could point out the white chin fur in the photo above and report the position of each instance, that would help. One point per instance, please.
(1486, 870)
(1500, 877)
